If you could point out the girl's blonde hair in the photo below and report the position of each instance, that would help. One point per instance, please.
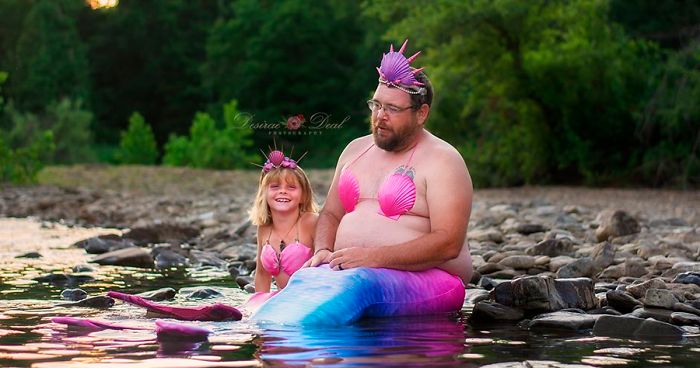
(260, 213)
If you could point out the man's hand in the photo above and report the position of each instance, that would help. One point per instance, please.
(354, 257)
(320, 257)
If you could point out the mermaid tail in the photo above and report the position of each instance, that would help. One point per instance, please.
(321, 296)
(162, 328)
(258, 299)
(214, 312)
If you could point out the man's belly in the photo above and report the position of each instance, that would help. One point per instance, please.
(365, 227)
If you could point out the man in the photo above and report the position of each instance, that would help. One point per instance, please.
(400, 200)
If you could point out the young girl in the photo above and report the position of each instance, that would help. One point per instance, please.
(285, 213)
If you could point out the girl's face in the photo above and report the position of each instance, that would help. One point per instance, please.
(284, 195)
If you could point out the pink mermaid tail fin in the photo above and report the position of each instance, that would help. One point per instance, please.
(163, 328)
(93, 324)
(170, 329)
(257, 299)
(214, 312)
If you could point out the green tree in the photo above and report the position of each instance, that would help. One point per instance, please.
(21, 165)
(209, 146)
(286, 58)
(531, 91)
(51, 59)
(137, 145)
(69, 124)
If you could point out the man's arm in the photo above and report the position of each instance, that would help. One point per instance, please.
(449, 197)
(332, 212)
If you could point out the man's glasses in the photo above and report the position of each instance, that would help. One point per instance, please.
(375, 106)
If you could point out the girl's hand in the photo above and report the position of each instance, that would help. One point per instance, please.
(322, 256)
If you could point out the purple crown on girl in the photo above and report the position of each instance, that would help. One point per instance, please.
(276, 159)
(395, 71)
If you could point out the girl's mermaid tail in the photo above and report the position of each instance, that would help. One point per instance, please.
(214, 312)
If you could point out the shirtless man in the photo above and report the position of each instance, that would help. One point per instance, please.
(391, 238)
(433, 232)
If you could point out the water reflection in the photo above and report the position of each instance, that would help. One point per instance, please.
(428, 341)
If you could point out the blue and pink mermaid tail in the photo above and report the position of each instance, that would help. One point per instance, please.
(321, 296)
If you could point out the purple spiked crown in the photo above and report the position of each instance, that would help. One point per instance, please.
(395, 71)
(277, 159)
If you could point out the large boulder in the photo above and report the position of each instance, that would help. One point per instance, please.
(633, 327)
(542, 293)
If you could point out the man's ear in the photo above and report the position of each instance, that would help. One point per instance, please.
(423, 113)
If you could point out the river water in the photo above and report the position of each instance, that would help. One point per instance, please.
(29, 338)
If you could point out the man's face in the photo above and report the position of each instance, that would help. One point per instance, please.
(393, 124)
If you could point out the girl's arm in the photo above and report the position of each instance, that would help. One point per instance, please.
(263, 279)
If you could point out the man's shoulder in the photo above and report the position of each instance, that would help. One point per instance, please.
(442, 152)
(355, 146)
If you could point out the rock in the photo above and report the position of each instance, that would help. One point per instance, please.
(134, 257)
(582, 267)
(683, 318)
(518, 262)
(492, 235)
(659, 298)
(487, 283)
(476, 276)
(563, 320)
(200, 292)
(527, 229)
(242, 227)
(169, 259)
(663, 315)
(73, 294)
(101, 302)
(552, 248)
(233, 270)
(542, 261)
(632, 327)
(688, 278)
(249, 288)
(614, 223)
(603, 255)
(63, 279)
(477, 295)
(640, 290)
(83, 268)
(558, 262)
(682, 307)
(661, 263)
(489, 267)
(100, 245)
(203, 258)
(162, 233)
(622, 301)
(629, 268)
(242, 281)
(539, 293)
(488, 311)
(159, 295)
(506, 274)
(32, 255)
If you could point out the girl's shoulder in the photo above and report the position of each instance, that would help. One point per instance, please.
(309, 218)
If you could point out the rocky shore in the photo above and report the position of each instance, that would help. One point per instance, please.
(615, 262)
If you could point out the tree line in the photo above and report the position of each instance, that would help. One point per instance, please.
(594, 92)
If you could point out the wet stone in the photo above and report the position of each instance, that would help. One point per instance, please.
(170, 259)
(135, 257)
(622, 301)
(31, 255)
(200, 293)
(658, 314)
(83, 268)
(688, 278)
(683, 318)
(563, 320)
(543, 293)
(159, 295)
(625, 326)
(488, 311)
(249, 288)
(101, 302)
(73, 294)
(487, 283)
(242, 281)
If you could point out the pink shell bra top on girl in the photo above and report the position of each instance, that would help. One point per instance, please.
(396, 195)
(290, 259)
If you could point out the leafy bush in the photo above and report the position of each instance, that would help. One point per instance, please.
(212, 147)
(69, 124)
(21, 165)
(137, 145)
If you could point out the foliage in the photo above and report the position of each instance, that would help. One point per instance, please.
(20, 166)
(137, 145)
(51, 58)
(539, 91)
(288, 58)
(209, 146)
(669, 126)
(69, 124)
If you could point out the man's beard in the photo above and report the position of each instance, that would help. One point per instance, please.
(396, 139)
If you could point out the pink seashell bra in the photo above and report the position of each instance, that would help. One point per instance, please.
(290, 259)
(396, 195)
